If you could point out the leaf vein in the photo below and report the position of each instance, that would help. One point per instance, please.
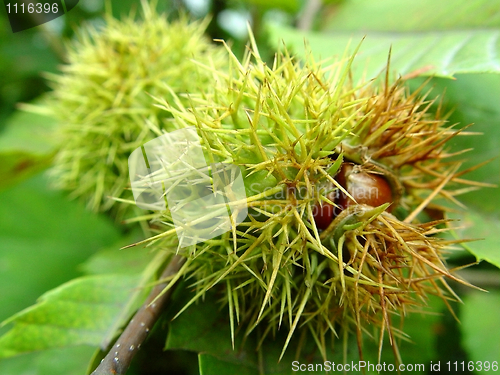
(492, 49)
(418, 55)
(65, 328)
(453, 52)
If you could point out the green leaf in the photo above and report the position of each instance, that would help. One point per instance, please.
(418, 346)
(474, 100)
(17, 166)
(26, 146)
(116, 260)
(86, 310)
(440, 53)
(210, 365)
(481, 326)
(291, 6)
(415, 15)
(439, 38)
(204, 328)
(78, 312)
(131, 261)
(43, 239)
(483, 228)
(51, 362)
(29, 132)
(420, 330)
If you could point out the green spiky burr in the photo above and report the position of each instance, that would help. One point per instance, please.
(103, 97)
(290, 128)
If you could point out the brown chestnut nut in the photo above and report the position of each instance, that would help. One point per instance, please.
(324, 214)
(366, 188)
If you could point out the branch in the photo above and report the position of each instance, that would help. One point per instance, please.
(117, 361)
(306, 19)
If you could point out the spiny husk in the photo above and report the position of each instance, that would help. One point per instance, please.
(400, 139)
(289, 127)
(103, 97)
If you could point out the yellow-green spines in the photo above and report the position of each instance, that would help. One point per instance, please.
(103, 98)
(290, 126)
